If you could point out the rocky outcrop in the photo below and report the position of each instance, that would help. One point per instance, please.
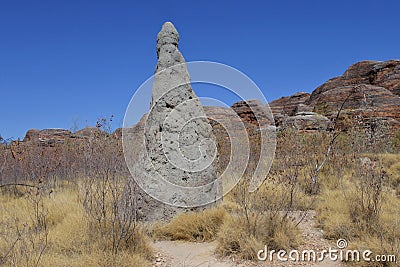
(89, 132)
(215, 114)
(368, 89)
(368, 100)
(48, 137)
(246, 109)
(308, 121)
(53, 136)
(371, 90)
(380, 74)
(31, 135)
(287, 106)
(295, 112)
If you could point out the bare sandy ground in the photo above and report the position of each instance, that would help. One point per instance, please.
(186, 254)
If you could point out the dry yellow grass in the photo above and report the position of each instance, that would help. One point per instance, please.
(192, 226)
(70, 242)
(235, 237)
(242, 224)
(341, 214)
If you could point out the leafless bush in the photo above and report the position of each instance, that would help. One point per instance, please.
(108, 198)
(366, 208)
(24, 239)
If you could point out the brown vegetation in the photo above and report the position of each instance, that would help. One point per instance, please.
(70, 205)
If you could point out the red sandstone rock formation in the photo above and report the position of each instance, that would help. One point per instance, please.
(249, 109)
(372, 90)
(289, 105)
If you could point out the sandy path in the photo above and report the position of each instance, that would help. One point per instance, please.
(313, 238)
(185, 254)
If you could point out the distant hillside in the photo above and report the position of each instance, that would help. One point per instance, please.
(370, 91)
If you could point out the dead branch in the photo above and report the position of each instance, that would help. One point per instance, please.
(336, 133)
(19, 184)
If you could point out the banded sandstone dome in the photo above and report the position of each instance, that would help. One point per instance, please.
(372, 89)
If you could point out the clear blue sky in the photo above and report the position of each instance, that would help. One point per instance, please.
(67, 61)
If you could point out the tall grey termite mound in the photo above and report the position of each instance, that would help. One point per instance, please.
(179, 139)
(173, 149)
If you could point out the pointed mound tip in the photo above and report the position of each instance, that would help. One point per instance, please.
(167, 35)
(169, 27)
